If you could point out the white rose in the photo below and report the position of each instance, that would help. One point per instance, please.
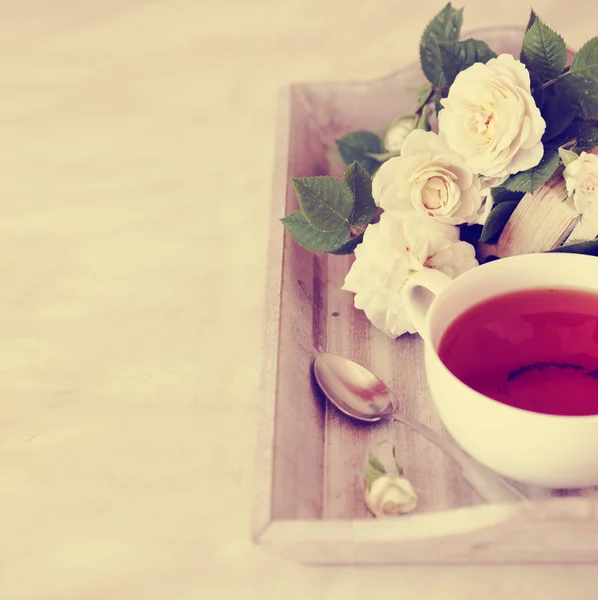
(491, 119)
(391, 495)
(581, 176)
(397, 132)
(430, 180)
(392, 250)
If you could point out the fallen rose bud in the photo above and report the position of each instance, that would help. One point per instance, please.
(391, 495)
(398, 130)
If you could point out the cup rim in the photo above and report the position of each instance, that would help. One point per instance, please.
(559, 256)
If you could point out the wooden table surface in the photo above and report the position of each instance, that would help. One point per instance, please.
(136, 155)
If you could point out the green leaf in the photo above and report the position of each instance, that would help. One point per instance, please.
(584, 79)
(567, 156)
(326, 202)
(532, 20)
(359, 181)
(496, 221)
(581, 135)
(311, 238)
(585, 63)
(500, 194)
(444, 27)
(349, 246)
(538, 94)
(590, 248)
(357, 145)
(544, 52)
(558, 108)
(457, 56)
(533, 179)
(577, 91)
(585, 135)
(584, 92)
(424, 96)
(422, 120)
(371, 475)
(375, 463)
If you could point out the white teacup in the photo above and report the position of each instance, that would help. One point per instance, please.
(547, 450)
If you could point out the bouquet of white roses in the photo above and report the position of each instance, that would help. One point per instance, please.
(486, 131)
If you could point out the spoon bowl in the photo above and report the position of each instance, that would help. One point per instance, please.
(353, 389)
(361, 395)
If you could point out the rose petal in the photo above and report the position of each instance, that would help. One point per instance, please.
(423, 142)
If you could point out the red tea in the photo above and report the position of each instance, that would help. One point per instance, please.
(534, 349)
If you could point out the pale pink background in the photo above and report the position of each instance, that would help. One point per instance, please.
(136, 153)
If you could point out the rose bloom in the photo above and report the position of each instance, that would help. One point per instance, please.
(391, 251)
(428, 179)
(491, 119)
(391, 495)
(397, 132)
(581, 176)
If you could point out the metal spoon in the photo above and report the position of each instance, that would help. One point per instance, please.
(359, 394)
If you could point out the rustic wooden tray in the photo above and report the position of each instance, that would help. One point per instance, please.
(309, 478)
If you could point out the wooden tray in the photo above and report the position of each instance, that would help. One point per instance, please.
(309, 502)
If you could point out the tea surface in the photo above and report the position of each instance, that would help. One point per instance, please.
(536, 350)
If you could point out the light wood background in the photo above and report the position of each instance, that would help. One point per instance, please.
(136, 154)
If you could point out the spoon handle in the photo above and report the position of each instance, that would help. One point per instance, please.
(488, 484)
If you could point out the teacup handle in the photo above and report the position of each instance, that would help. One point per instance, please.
(418, 293)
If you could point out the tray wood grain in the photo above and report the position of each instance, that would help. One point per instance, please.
(308, 503)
